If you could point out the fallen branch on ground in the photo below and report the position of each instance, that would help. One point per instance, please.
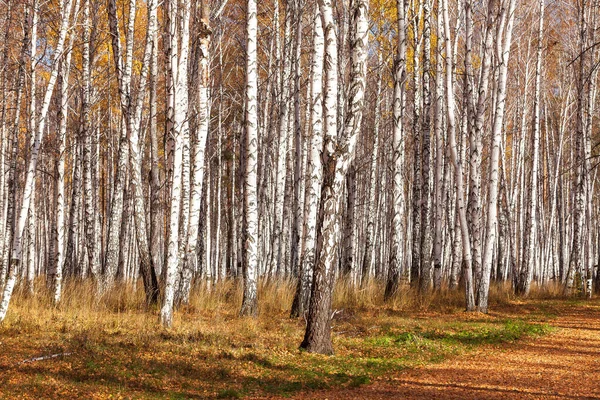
(41, 358)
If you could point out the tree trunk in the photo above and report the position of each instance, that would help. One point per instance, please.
(250, 264)
(395, 263)
(314, 172)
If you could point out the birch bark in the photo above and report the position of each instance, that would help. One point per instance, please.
(505, 37)
(526, 270)
(337, 157)
(395, 263)
(250, 254)
(179, 58)
(314, 172)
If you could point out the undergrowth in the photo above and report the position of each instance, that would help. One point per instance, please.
(114, 346)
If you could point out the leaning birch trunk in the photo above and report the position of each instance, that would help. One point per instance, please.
(314, 173)
(189, 262)
(492, 206)
(526, 270)
(250, 253)
(180, 59)
(17, 247)
(460, 196)
(337, 158)
(395, 263)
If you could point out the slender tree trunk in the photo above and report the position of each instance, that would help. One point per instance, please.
(425, 235)
(135, 158)
(156, 217)
(85, 131)
(395, 263)
(298, 146)
(180, 128)
(492, 207)
(439, 162)
(250, 254)
(123, 69)
(460, 200)
(372, 205)
(314, 172)
(189, 263)
(31, 217)
(526, 270)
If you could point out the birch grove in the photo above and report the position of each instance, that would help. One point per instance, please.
(421, 146)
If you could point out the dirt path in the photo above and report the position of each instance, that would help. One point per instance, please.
(562, 365)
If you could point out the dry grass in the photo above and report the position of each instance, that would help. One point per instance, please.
(118, 348)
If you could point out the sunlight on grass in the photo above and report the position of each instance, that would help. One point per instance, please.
(116, 347)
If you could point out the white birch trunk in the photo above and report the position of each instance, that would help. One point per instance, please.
(314, 172)
(123, 69)
(198, 153)
(505, 37)
(396, 253)
(31, 219)
(526, 270)
(181, 127)
(372, 204)
(60, 178)
(460, 196)
(250, 263)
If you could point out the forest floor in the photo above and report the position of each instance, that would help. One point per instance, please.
(560, 365)
(114, 348)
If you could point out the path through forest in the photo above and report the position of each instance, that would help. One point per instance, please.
(562, 365)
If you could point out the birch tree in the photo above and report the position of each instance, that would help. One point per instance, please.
(314, 172)
(395, 265)
(179, 59)
(337, 157)
(198, 149)
(526, 271)
(250, 254)
(505, 38)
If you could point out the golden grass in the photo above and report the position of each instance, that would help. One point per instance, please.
(119, 348)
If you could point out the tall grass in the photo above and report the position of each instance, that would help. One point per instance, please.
(222, 300)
